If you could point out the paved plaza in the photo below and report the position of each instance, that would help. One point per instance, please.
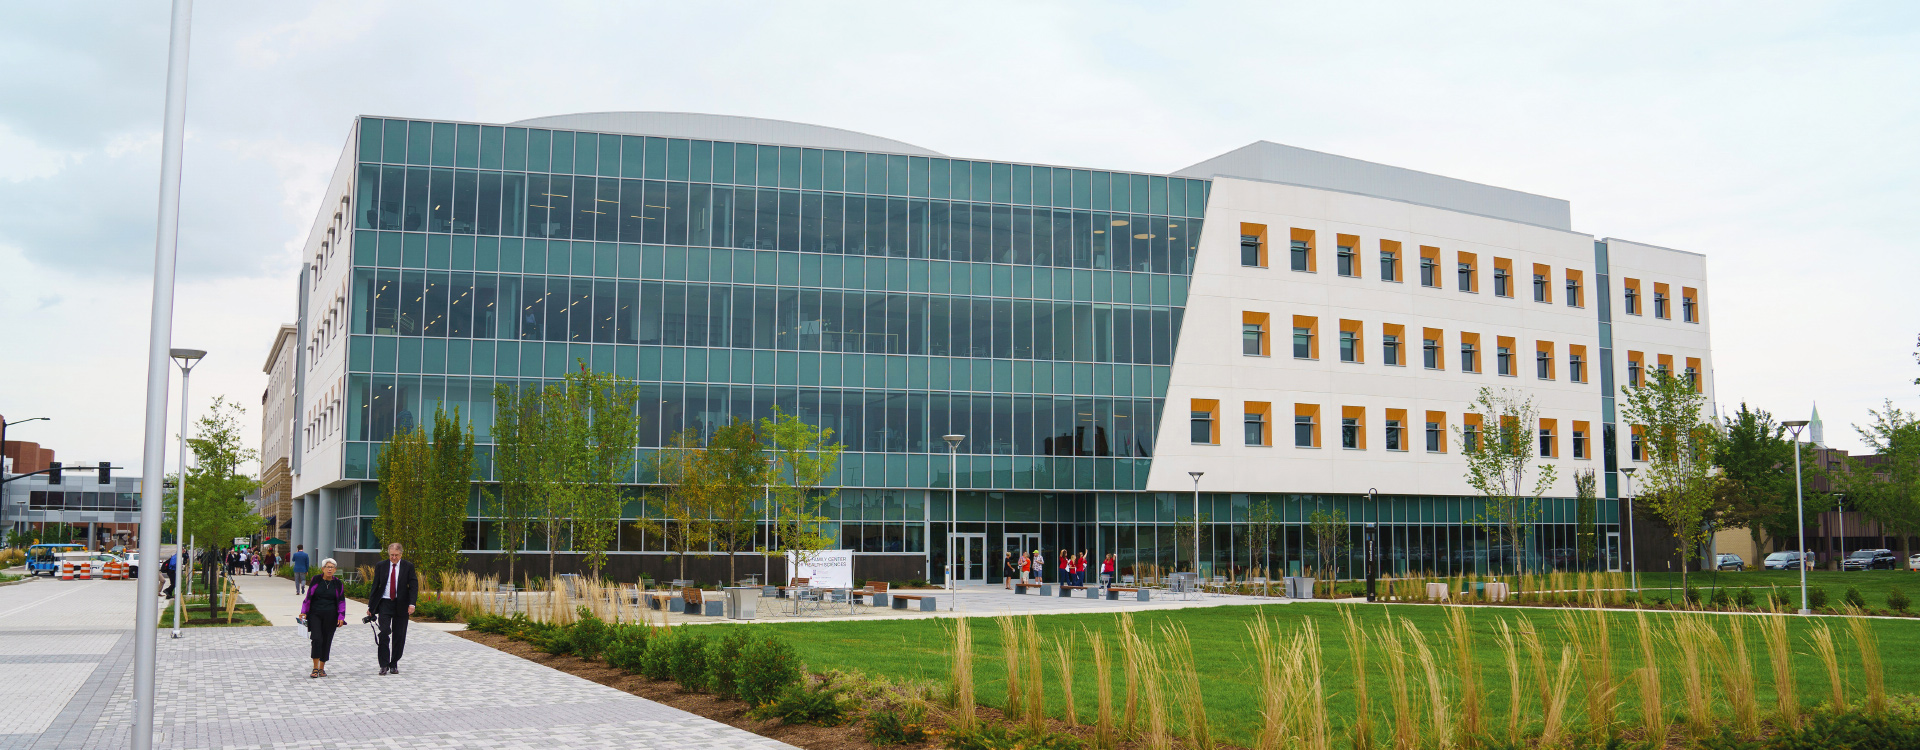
(66, 650)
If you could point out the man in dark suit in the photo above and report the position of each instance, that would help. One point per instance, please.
(395, 588)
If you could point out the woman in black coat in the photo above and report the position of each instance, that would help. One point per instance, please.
(324, 609)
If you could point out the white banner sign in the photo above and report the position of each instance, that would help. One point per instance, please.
(827, 568)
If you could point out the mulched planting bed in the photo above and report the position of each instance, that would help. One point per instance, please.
(849, 736)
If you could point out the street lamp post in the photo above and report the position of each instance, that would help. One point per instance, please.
(1800, 512)
(3, 440)
(1196, 522)
(1372, 559)
(1633, 534)
(186, 359)
(1840, 518)
(153, 461)
(953, 513)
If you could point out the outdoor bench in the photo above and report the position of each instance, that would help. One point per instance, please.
(1046, 589)
(1113, 593)
(921, 603)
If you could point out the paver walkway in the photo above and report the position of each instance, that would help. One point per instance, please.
(66, 648)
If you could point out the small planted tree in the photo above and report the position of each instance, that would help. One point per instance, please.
(599, 421)
(1499, 455)
(737, 466)
(803, 460)
(1263, 531)
(1680, 486)
(1586, 513)
(217, 507)
(518, 458)
(424, 481)
(683, 497)
(1330, 534)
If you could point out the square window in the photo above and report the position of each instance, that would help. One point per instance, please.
(1501, 282)
(1303, 343)
(1469, 357)
(1429, 273)
(1436, 438)
(1389, 265)
(1546, 443)
(1303, 431)
(1250, 250)
(1350, 433)
(1633, 301)
(1576, 368)
(1299, 253)
(1431, 353)
(1543, 365)
(1466, 277)
(1579, 444)
(1349, 347)
(1344, 258)
(1539, 288)
(1390, 349)
(1253, 339)
(1503, 361)
(1256, 429)
(1202, 432)
(1573, 292)
(1393, 436)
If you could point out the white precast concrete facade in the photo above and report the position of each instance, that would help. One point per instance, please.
(1209, 363)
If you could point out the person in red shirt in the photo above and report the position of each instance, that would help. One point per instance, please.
(1106, 570)
(1026, 568)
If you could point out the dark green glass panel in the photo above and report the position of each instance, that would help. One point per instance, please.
(559, 257)
(789, 167)
(413, 250)
(563, 148)
(360, 354)
(558, 364)
(653, 263)
(610, 155)
(433, 354)
(581, 257)
(540, 151)
(723, 167)
(490, 141)
(419, 142)
(443, 144)
(512, 255)
(506, 358)
(482, 359)
(532, 358)
(409, 356)
(393, 147)
(462, 253)
(467, 147)
(438, 251)
(701, 168)
(628, 264)
(515, 149)
(677, 151)
(633, 156)
(656, 158)
(370, 138)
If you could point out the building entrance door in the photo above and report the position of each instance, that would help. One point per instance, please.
(1612, 552)
(970, 554)
(1024, 544)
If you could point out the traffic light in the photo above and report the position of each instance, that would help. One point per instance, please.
(53, 472)
(106, 472)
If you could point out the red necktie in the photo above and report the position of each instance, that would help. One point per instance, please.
(393, 580)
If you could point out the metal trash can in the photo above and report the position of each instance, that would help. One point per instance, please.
(742, 602)
(1299, 587)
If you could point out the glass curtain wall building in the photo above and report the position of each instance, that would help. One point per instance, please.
(890, 297)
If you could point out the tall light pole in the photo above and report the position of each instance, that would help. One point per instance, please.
(1196, 522)
(953, 513)
(1840, 517)
(1633, 534)
(1800, 512)
(4, 425)
(186, 359)
(153, 460)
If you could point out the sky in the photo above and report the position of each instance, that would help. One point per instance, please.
(1779, 139)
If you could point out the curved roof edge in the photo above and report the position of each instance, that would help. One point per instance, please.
(726, 128)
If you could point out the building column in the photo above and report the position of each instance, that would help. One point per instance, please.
(93, 534)
(323, 548)
(312, 539)
(297, 514)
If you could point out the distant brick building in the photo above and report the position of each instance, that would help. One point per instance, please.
(276, 435)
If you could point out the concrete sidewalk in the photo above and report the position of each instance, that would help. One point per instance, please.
(274, 598)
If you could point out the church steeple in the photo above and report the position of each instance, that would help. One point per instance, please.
(1814, 433)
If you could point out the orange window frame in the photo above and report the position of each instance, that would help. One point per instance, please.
(1313, 411)
(1264, 409)
(1296, 235)
(1263, 320)
(1257, 230)
(1312, 324)
(1212, 407)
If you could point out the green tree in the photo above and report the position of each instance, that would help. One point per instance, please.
(1498, 455)
(684, 490)
(737, 466)
(425, 482)
(1755, 460)
(1587, 515)
(1329, 536)
(519, 457)
(803, 461)
(598, 421)
(1888, 490)
(1263, 531)
(217, 507)
(1679, 484)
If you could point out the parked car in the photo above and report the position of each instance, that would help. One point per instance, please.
(133, 562)
(1729, 562)
(1913, 563)
(1782, 561)
(1870, 559)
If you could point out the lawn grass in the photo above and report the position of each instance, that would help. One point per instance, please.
(1874, 585)
(919, 650)
(197, 616)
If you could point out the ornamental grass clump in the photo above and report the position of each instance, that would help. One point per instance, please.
(960, 678)
(1510, 655)
(1773, 628)
(1653, 716)
(1104, 732)
(1822, 639)
(1869, 645)
(1466, 673)
(1010, 652)
(1362, 732)
(1185, 682)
